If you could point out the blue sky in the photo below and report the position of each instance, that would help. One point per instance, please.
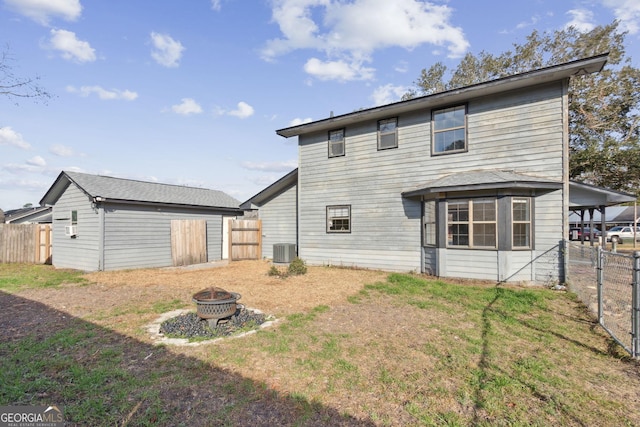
(191, 92)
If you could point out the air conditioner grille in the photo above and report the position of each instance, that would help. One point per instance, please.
(284, 252)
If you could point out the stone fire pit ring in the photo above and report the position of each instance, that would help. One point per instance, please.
(215, 303)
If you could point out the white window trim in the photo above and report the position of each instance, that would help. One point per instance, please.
(430, 224)
(514, 200)
(470, 223)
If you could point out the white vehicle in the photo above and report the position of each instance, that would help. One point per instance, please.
(621, 234)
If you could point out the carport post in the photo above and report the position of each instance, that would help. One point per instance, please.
(635, 313)
(603, 227)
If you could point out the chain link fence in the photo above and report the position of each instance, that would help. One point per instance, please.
(608, 284)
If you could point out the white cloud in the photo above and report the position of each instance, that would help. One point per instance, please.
(387, 94)
(581, 19)
(71, 47)
(349, 32)
(627, 12)
(534, 20)
(22, 168)
(24, 184)
(338, 70)
(402, 67)
(188, 106)
(61, 150)
(37, 161)
(270, 166)
(298, 121)
(243, 111)
(102, 93)
(216, 4)
(42, 11)
(10, 137)
(166, 51)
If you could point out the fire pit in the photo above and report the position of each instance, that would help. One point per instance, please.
(214, 304)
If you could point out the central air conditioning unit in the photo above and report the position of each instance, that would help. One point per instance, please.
(70, 230)
(284, 252)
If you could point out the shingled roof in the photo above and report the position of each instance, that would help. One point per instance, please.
(482, 180)
(111, 189)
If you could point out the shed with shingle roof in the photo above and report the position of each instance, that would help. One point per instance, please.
(108, 223)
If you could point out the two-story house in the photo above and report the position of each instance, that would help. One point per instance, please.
(469, 183)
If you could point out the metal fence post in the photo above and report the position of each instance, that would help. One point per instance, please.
(635, 311)
(600, 279)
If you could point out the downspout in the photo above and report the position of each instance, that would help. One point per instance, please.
(100, 207)
(565, 181)
(635, 223)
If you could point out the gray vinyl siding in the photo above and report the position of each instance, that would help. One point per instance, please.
(80, 252)
(548, 234)
(430, 261)
(520, 130)
(278, 217)
(214, 238)
(140, 236)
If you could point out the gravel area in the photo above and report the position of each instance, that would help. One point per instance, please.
(190, 325)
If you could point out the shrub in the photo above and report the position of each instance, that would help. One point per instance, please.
(274, 271)
(297, 266)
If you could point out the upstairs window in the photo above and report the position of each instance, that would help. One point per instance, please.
(339, 219)
(336, 143)
(387, 134)
(521, 214)
(449, 130)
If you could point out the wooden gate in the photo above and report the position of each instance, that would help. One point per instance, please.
(28, 243)
(245, 239)
(188, 241)
(44, 243)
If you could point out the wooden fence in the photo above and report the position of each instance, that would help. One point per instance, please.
(27, 243)
(245, 240)
(188, 241)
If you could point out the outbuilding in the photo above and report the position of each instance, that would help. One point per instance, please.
(108, 223)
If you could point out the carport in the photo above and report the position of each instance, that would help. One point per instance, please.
(588, 198)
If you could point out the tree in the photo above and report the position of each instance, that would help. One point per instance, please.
(15, 87)
(604, 110)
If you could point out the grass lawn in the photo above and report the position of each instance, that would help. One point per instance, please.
(400, 350)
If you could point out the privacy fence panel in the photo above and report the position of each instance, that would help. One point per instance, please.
(26, 243)
(188, 241)
(245, 239)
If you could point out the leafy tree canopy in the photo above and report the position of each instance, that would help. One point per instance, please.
(604, 108)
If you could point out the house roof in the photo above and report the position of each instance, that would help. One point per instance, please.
(40, 214)
(482, 180)
(517, 81)
(274, 189)
(110, 189)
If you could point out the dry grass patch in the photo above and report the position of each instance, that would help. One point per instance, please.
(353, 347)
